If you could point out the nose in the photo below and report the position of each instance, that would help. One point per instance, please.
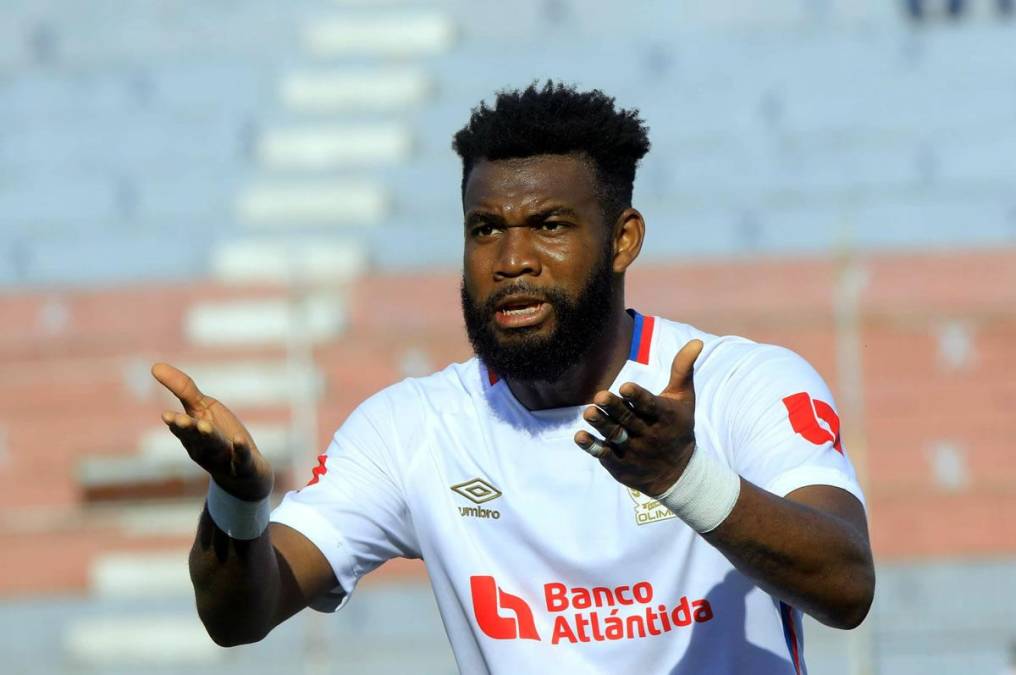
(516, 255)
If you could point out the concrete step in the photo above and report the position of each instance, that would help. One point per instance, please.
(139, 641)
(141, 575)
(288, 260)
(329, 91)
(381, 34)
(287, 205)
(321, 148)
(275, 441)
(162, 461)
(245, 323)
(151, 518)
(255, 383)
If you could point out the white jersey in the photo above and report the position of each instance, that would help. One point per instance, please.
(538, 558)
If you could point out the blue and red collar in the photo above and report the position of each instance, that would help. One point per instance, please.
(641, 337)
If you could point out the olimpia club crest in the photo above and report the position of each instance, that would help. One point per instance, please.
(647, 509)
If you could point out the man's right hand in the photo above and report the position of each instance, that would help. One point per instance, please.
(215, 438)
(242, 592)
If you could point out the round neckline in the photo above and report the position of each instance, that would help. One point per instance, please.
(557, 422)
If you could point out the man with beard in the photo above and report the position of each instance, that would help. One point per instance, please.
(717, 505)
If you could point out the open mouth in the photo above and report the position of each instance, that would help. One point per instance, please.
(521, 312)
(521, 309)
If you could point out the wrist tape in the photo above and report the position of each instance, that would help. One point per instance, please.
(238, 518)
(705, 493)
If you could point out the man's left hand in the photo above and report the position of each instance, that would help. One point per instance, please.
(647, 438)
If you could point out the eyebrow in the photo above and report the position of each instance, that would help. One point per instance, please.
(473, 217)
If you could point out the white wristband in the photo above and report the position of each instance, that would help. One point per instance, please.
(238, 518)
(705, 493)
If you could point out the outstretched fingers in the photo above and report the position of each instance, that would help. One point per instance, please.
(198, 437)
(185, 428)
(641, 401)
(617, 411)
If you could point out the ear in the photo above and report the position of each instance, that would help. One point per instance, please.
(629, 233)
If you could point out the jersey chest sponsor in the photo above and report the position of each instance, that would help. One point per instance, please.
(582, 614)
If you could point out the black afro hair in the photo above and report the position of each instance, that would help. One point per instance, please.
(559, 120)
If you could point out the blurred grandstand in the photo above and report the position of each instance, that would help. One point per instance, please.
(263, 193)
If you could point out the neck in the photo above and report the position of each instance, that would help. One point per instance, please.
(601, 364)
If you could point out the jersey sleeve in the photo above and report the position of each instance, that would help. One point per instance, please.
(354, 509)
(784, 426)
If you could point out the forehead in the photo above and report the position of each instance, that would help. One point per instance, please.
(531, 183)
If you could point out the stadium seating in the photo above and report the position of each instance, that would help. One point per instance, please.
(159, 118)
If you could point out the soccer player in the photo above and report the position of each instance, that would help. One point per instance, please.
(598, 491)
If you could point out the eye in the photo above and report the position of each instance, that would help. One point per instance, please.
(551, 225)
(482, 230)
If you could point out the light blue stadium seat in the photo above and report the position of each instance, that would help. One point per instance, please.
(53, 204)
(112, 258)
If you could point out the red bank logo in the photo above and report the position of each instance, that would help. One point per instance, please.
(488, 599)
(582, 614)
(805, 414)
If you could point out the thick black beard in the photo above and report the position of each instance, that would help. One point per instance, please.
(528, 357)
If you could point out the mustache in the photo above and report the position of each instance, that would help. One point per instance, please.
(523, 288)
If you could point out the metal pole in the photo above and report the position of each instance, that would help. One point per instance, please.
(851, 282)
(301, 371)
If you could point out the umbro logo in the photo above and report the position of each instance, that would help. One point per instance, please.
(477, 491)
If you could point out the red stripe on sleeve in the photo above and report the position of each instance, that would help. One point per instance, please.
(792, 626)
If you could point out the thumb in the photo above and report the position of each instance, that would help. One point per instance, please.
(180, 385)
(682, 370)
